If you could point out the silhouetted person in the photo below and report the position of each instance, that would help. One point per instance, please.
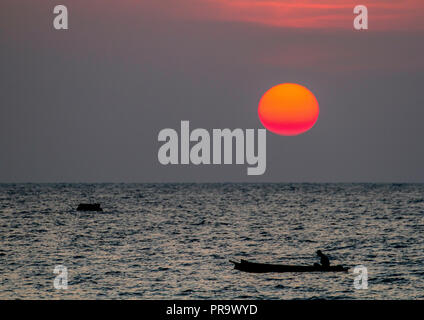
(325, 262)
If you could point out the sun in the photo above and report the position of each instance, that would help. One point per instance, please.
(288, 109)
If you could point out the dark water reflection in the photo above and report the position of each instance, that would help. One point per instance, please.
(174, 240)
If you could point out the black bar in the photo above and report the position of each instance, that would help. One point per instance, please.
(210, 309)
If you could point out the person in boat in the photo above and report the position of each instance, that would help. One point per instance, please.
(325, 262)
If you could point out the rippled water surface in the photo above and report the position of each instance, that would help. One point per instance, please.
(173, 241)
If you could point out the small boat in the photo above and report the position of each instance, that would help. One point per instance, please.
(89, 207)
(254, 267)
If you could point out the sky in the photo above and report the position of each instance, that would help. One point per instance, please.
(87, 104)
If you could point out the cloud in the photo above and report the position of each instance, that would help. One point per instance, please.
(308, 14)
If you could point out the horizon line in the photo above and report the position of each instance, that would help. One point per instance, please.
(223, 182)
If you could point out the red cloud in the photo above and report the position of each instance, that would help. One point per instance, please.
(322, 14)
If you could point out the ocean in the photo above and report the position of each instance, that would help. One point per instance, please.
(174, 241)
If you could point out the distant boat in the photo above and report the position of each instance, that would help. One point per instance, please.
(254, 267)
(89, 207)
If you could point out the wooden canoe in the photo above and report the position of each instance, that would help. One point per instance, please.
(254, 267)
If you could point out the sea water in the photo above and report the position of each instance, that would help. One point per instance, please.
(173, 241)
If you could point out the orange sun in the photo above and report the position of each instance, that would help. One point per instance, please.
(288, 109)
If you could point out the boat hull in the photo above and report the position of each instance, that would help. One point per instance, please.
(254, 267)
(89, 207)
